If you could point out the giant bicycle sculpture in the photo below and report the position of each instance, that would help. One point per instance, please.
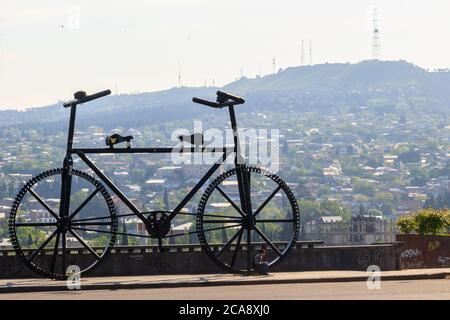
(65, 207)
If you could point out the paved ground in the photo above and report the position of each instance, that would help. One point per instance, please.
(414, 289)
(175, 281)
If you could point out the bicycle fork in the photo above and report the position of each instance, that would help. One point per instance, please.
(63, 223)
(243, 177)
(66, 189)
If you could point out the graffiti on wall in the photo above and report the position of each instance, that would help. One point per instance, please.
(425, 251)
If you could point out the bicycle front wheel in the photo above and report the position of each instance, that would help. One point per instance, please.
(44, 240)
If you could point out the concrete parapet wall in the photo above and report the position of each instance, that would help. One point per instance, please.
(191, 260)
(424, 251)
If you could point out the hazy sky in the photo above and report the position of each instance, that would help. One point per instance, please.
(47, 52)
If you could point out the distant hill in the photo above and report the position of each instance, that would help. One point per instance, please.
(386, 86)
(340, 76)
(127, 110)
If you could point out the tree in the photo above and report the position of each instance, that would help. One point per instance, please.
(406, 224)
(384, 197)
(438, 201)
(335, 208)
(374, 212)
(224, 235)
(431, 221)
(323, 190)
(361, 198)
(124, 236)
(426, 221)
(430, 202)
(362, 210)
(3, 189)
(95, 207)
(29, 241)
(192, 238)
(387, 209)
(367, 189)
(309, 210)
(419, 180)
(412, 156)
(171, 239)
(166, 200)
(375, 161)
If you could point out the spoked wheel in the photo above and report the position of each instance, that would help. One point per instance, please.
(44, 240)
(231, 237)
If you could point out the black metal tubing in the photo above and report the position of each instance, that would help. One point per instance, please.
(199, 184)
(243, 184)
(112, 186)
(127, 201)
(81, 152)
(151, 150)
(85, 99)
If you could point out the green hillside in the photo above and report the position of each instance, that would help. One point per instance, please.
(384, 85)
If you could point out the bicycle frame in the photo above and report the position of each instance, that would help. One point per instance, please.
(158, 222)
(243, 179)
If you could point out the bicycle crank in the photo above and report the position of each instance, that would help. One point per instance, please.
(158, 224)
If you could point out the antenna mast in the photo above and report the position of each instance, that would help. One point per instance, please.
(1, 54)
(302, 58)
(179, 74)
(376, 46)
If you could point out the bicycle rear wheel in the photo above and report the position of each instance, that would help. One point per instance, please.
(223, 228)
(44, 241)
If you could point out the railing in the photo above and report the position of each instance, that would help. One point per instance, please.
(173, 248)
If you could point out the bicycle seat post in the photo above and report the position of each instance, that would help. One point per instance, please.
(237, 148)
(73, 112)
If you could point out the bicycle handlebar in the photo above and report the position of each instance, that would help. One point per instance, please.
(206, 103)
(223, 100)
(84, 99)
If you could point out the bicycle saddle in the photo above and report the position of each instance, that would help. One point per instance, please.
(196, 139)
(117, 138)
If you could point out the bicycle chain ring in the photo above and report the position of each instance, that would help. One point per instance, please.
(158, 224)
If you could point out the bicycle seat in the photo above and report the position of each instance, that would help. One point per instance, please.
(79, 95)
(196, 139)
(117, 138)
